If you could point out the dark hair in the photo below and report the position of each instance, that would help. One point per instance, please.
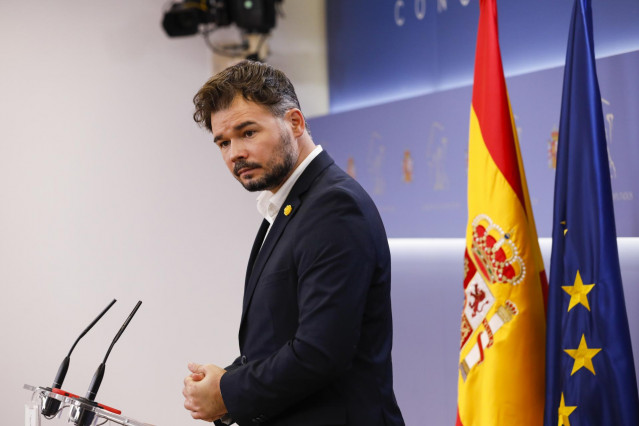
(255, 81)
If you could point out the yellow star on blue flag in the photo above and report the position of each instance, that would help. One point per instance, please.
(578, 292)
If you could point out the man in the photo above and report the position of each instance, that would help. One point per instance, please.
(316, 330)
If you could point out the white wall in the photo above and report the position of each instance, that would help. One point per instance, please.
(109, 190)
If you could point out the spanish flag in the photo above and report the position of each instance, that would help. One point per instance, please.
(501, 360)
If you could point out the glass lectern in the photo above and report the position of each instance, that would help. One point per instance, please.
(78, 411)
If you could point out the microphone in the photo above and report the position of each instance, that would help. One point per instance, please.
(81, 416)
(50, 406)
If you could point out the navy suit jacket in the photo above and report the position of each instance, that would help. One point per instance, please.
(316, 329)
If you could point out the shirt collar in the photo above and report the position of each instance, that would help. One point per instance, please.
(268, 203)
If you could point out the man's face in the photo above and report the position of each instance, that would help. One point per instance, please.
(257, 147)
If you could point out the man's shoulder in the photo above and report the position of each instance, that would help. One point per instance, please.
(322, 174)
(334, 179)
(324, 185)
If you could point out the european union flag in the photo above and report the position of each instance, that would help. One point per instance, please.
(590, 376)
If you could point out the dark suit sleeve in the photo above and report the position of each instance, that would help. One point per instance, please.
(227, 419)
(235, 364)
(334, 254)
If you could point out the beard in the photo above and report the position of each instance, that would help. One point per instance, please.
(276, 170)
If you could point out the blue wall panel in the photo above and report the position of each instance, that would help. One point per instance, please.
(411, 155)
(391, 49)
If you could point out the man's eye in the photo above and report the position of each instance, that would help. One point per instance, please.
(249, 133)
(223, 144)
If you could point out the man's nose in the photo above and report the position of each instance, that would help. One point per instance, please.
(238, 150)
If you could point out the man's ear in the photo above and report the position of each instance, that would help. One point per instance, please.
(295, 119)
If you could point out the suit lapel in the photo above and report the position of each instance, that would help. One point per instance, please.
(257, 244)
(259, 258)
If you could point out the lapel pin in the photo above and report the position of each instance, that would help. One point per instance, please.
(287, 210)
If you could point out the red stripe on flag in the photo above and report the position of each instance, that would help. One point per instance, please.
(490, 100)
(458, 422)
